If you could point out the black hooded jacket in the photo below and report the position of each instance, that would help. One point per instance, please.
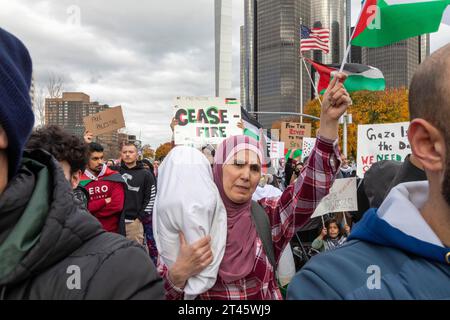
(138, 192)
(64, 251)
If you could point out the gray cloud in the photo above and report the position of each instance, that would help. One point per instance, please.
(138, 54)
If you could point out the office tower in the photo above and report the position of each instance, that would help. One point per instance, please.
(223, 47)
(277, 59)
(68, 112)
(398, 61)
(336, 16)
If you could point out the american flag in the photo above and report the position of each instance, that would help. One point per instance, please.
(314, 39)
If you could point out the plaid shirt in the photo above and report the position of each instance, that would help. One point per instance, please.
(286, 214)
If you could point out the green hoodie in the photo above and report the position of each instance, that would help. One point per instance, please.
(27, 231)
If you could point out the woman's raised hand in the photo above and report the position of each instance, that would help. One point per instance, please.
(192, 259)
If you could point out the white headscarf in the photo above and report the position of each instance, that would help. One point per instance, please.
(188, 201)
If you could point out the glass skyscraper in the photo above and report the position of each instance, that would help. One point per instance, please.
(223, 47)
(398, 61)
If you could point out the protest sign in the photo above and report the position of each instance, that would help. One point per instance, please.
(342, 197)
(308, 145)
(377, 142)
(106, 121)
(203, 120)
(292, 134)
(276, 150)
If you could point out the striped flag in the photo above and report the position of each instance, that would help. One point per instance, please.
(359, 76)
(383, 22)
(314, 39)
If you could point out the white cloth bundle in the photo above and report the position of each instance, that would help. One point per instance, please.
(188, 200)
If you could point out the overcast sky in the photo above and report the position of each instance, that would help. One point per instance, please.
(134, 53)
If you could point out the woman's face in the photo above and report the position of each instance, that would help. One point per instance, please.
(241, 175)
(333, 230)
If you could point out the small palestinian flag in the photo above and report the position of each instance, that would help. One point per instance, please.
(383, 22)
(359, 76)
(251, 126)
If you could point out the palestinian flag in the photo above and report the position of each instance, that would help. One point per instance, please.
(251, 126)
(359, 76)
(383, 22)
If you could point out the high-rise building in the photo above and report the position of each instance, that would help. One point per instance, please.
(398, 61)
(277, 60)
(333, 15)
(68, 112)
(243, 68)
(223, 47)
(274, 77)
(248, 56)
(355, 53)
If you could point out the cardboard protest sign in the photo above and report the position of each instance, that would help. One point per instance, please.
(377, 142)
(292, 134)
(276, 149)
(342, 197)
(106, 121)
(308, 145)
(203, 120)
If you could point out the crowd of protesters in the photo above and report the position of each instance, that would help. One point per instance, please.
(210, 223)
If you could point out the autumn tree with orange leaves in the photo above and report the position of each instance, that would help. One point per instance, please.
(369, 107)
(163, 150)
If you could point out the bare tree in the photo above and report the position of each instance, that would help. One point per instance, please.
(55, 86)
(39, 106)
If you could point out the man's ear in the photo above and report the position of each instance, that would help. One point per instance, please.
(427, 144)
(75, 179)
(3, 139)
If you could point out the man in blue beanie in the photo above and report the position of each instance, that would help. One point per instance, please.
(401, 250)
(50, 246)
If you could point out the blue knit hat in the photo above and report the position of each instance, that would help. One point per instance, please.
(16, 114)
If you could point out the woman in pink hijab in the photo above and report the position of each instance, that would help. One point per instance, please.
(245, 271)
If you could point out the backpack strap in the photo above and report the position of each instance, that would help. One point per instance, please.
(264, 231)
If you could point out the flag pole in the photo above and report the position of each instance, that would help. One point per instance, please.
(312, 81)
(344, 61)
(347, 51)
(301, 74)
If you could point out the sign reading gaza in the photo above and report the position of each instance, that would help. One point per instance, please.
(203, 120)
(377, 142)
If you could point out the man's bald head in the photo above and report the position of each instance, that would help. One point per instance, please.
(429, 107)
(429, 90)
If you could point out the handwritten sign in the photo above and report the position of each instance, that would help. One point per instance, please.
(377, 142)
(292, 134)
(308, 145)
(106, 121)
(204, 120)
(276, 149)
(342, 197)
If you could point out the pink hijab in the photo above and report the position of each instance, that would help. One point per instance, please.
(240, 250)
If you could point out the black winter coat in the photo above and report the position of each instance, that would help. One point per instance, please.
(74, 258)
